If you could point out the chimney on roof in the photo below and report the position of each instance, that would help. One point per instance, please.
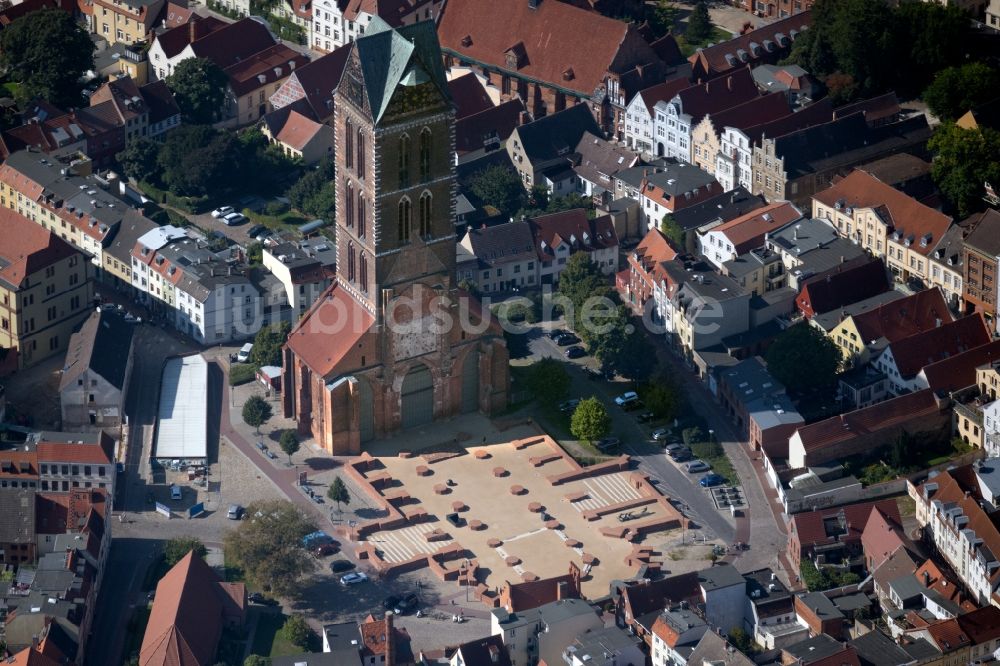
(927, 579)
(390, 642)
(533, 4)
(562, 590)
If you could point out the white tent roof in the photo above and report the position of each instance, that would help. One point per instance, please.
(182, 418)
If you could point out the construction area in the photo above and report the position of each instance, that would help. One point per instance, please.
(511, 512)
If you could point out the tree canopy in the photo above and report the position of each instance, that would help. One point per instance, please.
(256, 411)
(268, 342)
(199, 86)
(548, 381)
(197, 159)
(699, 24)
(662, 16)
(964, 159)
(47, 52)
(313, 193)
(855, 46)
(139, 159)
(803, 358)
(175, 549)
(499, 187)
(591, 420)
(268, 545)
(579, 281)
(289, 443)
(337, 492)
(956, 90)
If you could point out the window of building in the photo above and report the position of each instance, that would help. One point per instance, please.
(348, 143)
(351, 275)
(361, 215)
(404, 220)
(425, 154)
(404, 161)
(349, 204)
(425, 214)
(361, 154)
(364, 274)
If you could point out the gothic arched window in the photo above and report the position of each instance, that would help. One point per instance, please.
(404, 161)
(349, 204)
(425, 154)
(404, 220)
(348, 143)
(364, 272)
(425, 214)
(351, 275)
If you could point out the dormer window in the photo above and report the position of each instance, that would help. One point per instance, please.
(467, 41)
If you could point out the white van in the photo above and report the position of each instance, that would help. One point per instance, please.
(244, 354)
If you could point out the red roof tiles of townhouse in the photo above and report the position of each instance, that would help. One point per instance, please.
(911, 220)
(755, 111)
(959, 371)
(913, 353)
(747, 231)
(391, 11)
(948, 635)
(263, 67)
(574, 227)
(649, 255)
(176, 13)
(469, 95)
(713, 60)
(981, 625)
(642, 598)
(319, 78)
(30, 656)
(884, 415)
(14, 12)
(898, 319)
(27, 247)
(810, 525)
(329, 330)
(846, 657)
(547, 42)
(880, 538)
(930, 576)
(856, 282)
(66, 449)
(526, 595)
(719, 94)
(662, 92)
(298, 131)
(473, 131)
(233, 43)
(175, 40)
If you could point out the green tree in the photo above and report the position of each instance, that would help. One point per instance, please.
(47, 52)
(197, 159)
(803, 358)
(268, 545)
(337, 492)
(699, 25)
(199, 86)
(622, 347)
(742, 641)
(964, 159)
(548, 381)
(499, 187)
(673, 232)
(591, 420)
(662, 17)
(296, 631)
(268, 342)
(930, 37)
(901, 451)
(313, 193)
(139, 160)
(579, 281)
(289, 443)
(256, 411)
(175, 549)
(661, 397)
(257, 660)
(956, 90)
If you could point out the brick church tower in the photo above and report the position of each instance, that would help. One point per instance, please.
(393, 343)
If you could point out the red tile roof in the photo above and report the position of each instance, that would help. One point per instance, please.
(469, 95)
(331, 328)
(959, 371)
(880, 538)
(846, 657)
(71, 450)
(174, 40)
(532, 594)
(298, 131)
(27, 247)
(30, 656)
(811, 531)
(981, 625)
(662, 92)
(555, 43)
(719, 94)
(930, 576)
(713, 61)
(747, 232)
(648, 256)
(904, 216)
(755, 111)
(904, 317)
(392, 12)
(882, 416)
(232, 43)
(262, 68)
(854, 283)
(574, 228)
(498, 121)
(913, 353)
(948, 635)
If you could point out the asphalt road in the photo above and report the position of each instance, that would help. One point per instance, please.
(672, 481)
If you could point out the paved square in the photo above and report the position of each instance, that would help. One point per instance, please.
(527, 510)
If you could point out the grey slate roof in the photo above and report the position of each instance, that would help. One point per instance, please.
(503, 243)
(557, 134)
(17, 515)
(877, 649)
(102, 344)
(714, 649)
(718, 577)
(725, 207)
(829, 320)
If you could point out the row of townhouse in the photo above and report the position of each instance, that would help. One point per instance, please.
(530, 253)
(205, 294)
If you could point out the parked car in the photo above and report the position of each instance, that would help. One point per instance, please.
(406, 604)
(175, 492)
(390, 602)
(697, 466)
(675, 446)
(575, 352)
(325, 549)
(354, 578)
(710, 480)
(607, 443)
(567, 339)
(681, 456)
(259, 599)
(661, 434)
(336, 566)
(627, 398)
(235, 512)
(243, 355)
(569, 405)
(222, 211)
(557, 333)
(233, 219)
(646, 417)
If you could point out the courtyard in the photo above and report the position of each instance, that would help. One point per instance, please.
(511, 509)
